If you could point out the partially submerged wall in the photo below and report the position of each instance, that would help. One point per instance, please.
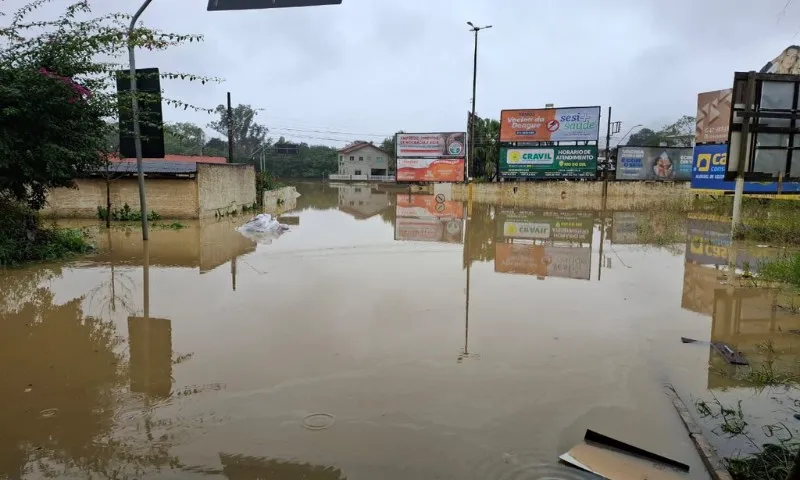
(225, 188)
(577, 195)
(170, 198)
(285, 197)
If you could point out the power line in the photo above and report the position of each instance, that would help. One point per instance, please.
(334, 132)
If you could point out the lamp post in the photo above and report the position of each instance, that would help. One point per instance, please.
(213, 5)
(471, 163)
(629, 132)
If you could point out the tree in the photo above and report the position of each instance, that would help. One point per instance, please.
(678, 134)
(487, 147)
(57, 88)
(184, 138)
(390, 147)
(248, 135)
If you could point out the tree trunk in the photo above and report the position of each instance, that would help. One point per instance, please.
(794, 474)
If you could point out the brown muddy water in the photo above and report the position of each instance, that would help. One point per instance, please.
(384, 337)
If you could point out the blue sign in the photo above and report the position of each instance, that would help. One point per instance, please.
(708, 173)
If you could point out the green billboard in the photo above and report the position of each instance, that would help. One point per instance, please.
(562, 226)
(549, 162)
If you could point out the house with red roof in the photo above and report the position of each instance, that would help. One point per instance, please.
(362, 161)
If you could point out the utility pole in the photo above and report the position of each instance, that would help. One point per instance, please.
(137, 138)
(230, 130)
(471, 163)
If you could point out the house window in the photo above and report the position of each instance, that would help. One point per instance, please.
(357, 190)
(352, 159)
(379, 159)
(341, 158)
(361, 203)
(358, 172)
(360, 159)
(352, 203)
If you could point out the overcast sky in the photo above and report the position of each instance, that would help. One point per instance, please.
(372, 67)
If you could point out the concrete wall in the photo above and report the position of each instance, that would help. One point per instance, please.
(170, 198)
(225, 188)
(286, 196)
(577, 195)
(364, 160)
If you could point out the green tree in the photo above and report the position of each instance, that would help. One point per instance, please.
(487, 147)
(390, 147)
(678, 134)
(248, 135)
(57, 88)
(184, 138)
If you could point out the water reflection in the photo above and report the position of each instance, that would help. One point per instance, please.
(424, 218)
(239, 467)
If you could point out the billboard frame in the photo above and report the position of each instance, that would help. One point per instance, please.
(530, 143)
(506, 147)
(746, 124)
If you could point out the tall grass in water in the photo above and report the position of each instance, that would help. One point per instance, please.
(24, 239)
(763, 220)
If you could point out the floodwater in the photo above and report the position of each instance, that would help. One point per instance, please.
(386, 336)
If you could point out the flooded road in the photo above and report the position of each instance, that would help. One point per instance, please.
(386, 336)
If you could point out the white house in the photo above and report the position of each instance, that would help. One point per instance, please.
(363, 161)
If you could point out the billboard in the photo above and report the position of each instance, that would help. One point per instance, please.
(709, 243)
(431, 145)
(654, 163)
(713, 116)
(550, 125)
(549, 162)
(562, 226)
(708, 173)
(428, 218)
(525, 259)
(430, 170)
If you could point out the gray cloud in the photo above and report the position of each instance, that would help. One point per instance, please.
(376, 66)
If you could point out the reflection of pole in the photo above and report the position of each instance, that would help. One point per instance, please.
(146, 280)
(602, 241)
(466, 297)
(233, 273)
(608, 160)
(749, 99)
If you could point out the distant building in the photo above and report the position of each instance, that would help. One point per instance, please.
(362, 158)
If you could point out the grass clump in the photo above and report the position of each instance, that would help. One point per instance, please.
(784, 269)
(763, 220)
(23, 238)
(773, 462)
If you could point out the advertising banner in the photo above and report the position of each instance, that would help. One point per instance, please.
(709, 243)
(713, 116)
(708, 173)
(430, 170)
(549, 162)
(542, 261)
(654, 163)
(625, 228)
(550, 124)
(556, 225)
(428, 206)
(431, 145)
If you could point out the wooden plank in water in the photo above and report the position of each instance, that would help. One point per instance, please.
(730, 355)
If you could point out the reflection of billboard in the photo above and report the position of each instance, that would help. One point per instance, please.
(426, 218)
(431, 145)
(429, 229)
(654, 163)
(525, 259)
(549, 162)
(560, 226)
(550, 124)
(150, 343)
(709, 243)
(430, 170)
(708, 173)
(699, 283)
(428, 206)
(713, 116)
(625, 228)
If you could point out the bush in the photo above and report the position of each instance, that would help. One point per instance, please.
(126, 214)
(23, 238)
(784, 269)
(265, 181)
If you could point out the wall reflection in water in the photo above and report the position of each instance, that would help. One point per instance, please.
(237, 467)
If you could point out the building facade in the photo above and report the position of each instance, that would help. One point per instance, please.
(363, 159)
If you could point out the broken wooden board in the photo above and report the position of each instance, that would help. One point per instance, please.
(730, 355)
(616, 465)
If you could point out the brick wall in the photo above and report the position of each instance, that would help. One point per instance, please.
(170, 198)
(225, 188)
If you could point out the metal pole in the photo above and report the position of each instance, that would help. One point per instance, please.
(471, 163)
(749, 99)
(137, 139)
(607, 163)
(230, 130)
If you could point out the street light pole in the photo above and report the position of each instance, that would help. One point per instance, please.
(626, 135)
(137, 139)
(471, 163)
